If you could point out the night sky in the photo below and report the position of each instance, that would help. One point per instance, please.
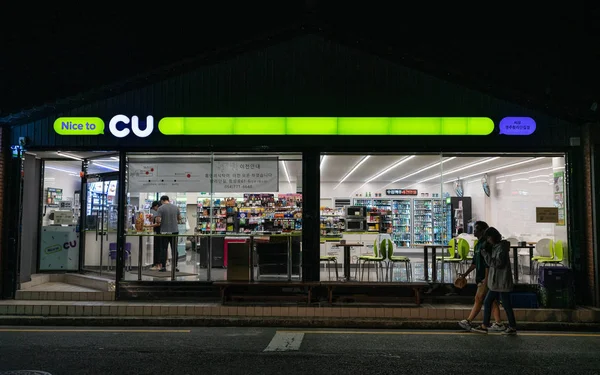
(553, 61)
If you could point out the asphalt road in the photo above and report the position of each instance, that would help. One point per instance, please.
(80, 350)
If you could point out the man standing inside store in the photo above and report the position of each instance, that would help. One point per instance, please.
(481, 274)
(168, 217)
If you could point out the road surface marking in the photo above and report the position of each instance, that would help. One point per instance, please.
(438, 333)
(285, 341)
(100, 330)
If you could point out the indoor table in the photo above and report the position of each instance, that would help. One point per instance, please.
(347, 246)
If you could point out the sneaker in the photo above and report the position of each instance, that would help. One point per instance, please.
(465, 324)
(497, 327)
(509, 331)
(479, 329)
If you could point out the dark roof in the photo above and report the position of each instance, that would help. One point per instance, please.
(417, 56)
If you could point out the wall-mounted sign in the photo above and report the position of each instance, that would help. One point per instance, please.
(517, 126)
(226, 176)
(546, 215)
(65, 205)
(401, 192)
(121, 126)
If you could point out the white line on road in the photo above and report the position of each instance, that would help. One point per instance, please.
(285, 341)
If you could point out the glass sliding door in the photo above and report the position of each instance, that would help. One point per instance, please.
(100, 216)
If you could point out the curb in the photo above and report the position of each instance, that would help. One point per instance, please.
(186, 321)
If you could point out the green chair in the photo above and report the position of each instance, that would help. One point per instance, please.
(331, 259)
(378, 257)
(392, 259)
(451, 252)
(558, 252)
(463, 253)
(451, 258)
(541, 258)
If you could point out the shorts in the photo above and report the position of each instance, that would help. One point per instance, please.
(482, 290)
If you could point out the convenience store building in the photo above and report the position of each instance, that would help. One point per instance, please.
(250, 145)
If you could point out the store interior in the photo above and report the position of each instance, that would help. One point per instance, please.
(410, 199)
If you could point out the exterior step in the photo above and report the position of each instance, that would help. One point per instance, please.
(29, 295)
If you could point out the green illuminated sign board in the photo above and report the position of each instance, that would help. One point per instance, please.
(121, 126)
(326, 126)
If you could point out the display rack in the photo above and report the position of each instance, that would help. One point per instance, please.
(401, 219)
(423, 221)
(332, 221)
(442, 221)
(384, 208)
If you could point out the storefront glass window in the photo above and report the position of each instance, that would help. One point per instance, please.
(228, 204)
(433, 201)
(60, 237)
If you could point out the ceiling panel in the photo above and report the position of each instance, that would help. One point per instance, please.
(421, 168)
(417, 169)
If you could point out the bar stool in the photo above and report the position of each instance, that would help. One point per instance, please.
(331, 259)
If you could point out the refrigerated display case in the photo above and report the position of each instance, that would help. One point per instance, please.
(423, 221)
(362, 202)
(401, 222)
(442, 221)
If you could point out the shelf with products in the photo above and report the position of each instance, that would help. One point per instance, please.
(373, 221)
(423, 221)
(332, 221)
(384, 208)
(252, 213)
(442, 220)
(363, 202)
(217, 215)
(401, 222)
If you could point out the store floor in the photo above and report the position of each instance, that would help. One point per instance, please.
(190, 270)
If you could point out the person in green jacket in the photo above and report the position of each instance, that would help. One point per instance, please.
(500, 281)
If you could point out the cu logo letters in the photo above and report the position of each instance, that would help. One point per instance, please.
(124, 123)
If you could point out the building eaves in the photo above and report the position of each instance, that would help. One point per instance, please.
(401, 56)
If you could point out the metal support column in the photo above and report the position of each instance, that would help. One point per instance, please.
(122, 218)
(311, 191)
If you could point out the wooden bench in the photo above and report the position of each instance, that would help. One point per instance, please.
(417, 288)
(226, 286)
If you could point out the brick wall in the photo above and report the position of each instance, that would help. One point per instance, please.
(2, 175)
(588, 251)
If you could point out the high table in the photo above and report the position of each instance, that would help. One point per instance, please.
(515, 249)
(347, 246)
(434, 248)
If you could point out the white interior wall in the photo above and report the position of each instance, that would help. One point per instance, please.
(62, 180)
(59, 180)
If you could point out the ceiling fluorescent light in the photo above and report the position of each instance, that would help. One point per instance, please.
(526, 172)
(384, 171)
(500, 168)
(69, 156)
(59, 169)
(287, 175)
(393, 166)
(419, 171)
(105, 166)
(365, 158)
(483, 161)
(322, 161)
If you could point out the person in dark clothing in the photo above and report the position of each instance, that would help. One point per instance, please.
(481, 274)
(500, 281)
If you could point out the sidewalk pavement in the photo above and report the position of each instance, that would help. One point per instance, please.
(119, 313)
